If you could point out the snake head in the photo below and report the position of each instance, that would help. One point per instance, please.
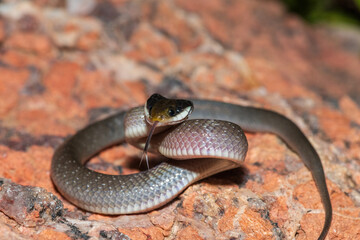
(167, 111)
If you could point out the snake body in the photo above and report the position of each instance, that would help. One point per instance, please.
(141, 192)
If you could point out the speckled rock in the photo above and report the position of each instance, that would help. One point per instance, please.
(60, 70)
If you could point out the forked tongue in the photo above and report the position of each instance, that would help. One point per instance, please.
(147, 144)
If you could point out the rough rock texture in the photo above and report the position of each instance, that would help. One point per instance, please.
(60, 71)
(28, 206)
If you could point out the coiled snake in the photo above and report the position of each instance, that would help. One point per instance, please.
(211, 133)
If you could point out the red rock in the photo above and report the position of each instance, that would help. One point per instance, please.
(170, 21)
(49, 234)
(28, 206)
(247, 52)
(11, 82)
(26, 171)
(188, 233)
(88, 41)
(254, 226)
(136, 91)
(61, 78)
(30, 42)
(149, 45)
(226, 222)
(279, 212)
(2, 31)
(307, 195)
(134, 233)
(350, 109)
(22, 59)
(91, 91)
(8, 228)
(335, 125)
(163, 219)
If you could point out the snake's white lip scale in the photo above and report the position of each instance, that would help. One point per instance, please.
(142, 192)
(174, 120)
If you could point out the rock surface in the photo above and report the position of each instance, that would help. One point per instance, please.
(61, 70)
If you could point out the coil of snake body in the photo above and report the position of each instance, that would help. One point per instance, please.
(212, 134)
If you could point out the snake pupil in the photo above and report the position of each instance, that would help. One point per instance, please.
(171, 112)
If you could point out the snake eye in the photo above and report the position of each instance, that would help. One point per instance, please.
(171, 112)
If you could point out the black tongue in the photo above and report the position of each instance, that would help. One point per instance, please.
(147, 144)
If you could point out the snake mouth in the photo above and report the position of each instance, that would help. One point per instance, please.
(166, 111)
(163, 121)
(160, 111)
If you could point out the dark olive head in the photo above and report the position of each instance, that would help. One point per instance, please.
(167, 111)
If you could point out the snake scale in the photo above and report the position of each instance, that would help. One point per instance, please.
(212, 134)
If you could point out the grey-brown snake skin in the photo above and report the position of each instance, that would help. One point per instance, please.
(119, 194)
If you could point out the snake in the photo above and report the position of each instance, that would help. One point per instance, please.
(200, 138)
